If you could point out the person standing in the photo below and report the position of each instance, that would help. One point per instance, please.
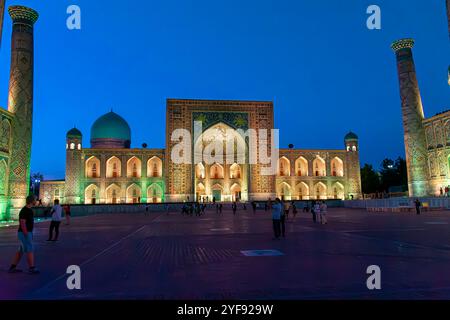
(418, 204)
(286, 207)
(323, 213)
(67, 213)
(254, 206)
(234, 207)
(220, 208)
(25, 236)
(56, 221)
(284, 215)
(294, 209)
(313, 211)
(317, 211)
(276, 217)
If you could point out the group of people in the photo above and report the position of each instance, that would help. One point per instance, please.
(281, 210)
(25, 232)
(191, 208)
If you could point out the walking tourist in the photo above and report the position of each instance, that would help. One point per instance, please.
(317, 211)
(294, 209)
(254, 206)
(313, 211)
(25, 235)
(56, 221)
(306, 207)
(284, 214)
(286, 207)
(276, 217)
(418, 204)
(67, 213)
(323, 212)
(234, 207)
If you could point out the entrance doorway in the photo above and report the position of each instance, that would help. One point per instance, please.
(217, 194)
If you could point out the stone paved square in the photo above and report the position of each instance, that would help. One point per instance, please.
(170, 256)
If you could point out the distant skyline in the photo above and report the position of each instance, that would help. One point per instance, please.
(326, 73)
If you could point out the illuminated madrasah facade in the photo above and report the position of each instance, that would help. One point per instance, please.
(16, 120)
(427, 140)
(111, 172)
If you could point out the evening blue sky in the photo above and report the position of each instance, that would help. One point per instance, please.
(324, 70)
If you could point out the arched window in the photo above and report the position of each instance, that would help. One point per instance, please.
(154, 167)
(134, 168)
(319, 167)
(284, 167)
(301, 167)
(337, 167)
(94, 170)
(235, 171)
(216, 171)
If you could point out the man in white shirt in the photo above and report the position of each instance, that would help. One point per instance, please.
(56, 213)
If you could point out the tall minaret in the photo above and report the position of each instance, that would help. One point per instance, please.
(20, 102)
(2, 11)
(412, 111)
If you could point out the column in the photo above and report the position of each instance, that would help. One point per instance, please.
(20, 102)
(412, 113)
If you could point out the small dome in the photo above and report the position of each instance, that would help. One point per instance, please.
(110, 131)
(74, 133)
(351, 136)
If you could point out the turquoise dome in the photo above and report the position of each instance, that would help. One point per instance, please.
(111, 126)
(351, 136)
(74, 133)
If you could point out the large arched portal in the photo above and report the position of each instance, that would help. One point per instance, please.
(221, 173)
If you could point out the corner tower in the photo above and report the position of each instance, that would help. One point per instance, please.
(74, 166)
(20, 101)
(412, 113)
(353, 167)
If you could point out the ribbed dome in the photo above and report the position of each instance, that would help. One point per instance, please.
(74, 133)
(351, 136)
(110, 131)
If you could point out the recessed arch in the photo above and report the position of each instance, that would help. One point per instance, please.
(134, 165)
(319, 167)
(284, 167)
(221, 143)
(200, 171)
(133, 193)
(154, 167)
(154, 193)
(337, 167)
(235, 171)
(92, 167)
(303, 191)
(113, 194)
(235, 192)
(216, 171)
(284, 191)
(301, 167)
(320, 190)
(338, 191)
(113, 167)
(3, 173)
(91, 194)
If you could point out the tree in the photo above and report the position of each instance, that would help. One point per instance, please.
(370, 179)
(35, 183)
(393, 173)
